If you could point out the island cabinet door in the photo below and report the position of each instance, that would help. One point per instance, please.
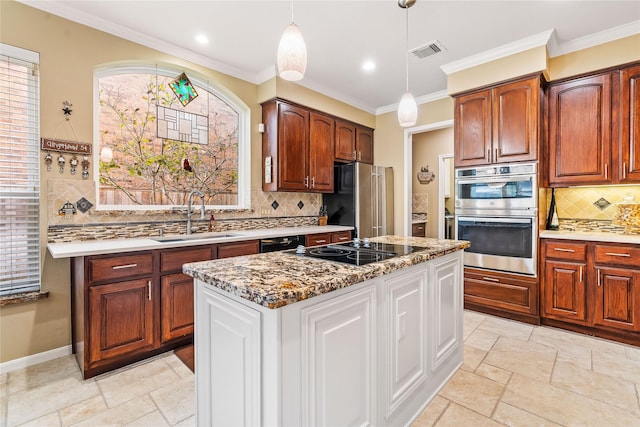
(227, 350)
(403, 343)
(445, 310)
(339, 359)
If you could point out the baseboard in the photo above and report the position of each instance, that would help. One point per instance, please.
(34, 359)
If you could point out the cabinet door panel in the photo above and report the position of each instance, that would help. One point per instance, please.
(321, 150)
(630, 123)
(580, 122)
(293, 143)
(515, 121)
(472, 129)
(176, 295)
(617, 298)
(120, 318)
(339, 349)
(345, 141)
(564, 291)
(364, 145)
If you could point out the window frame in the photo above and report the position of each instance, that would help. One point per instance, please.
(33, 255)
(215, 88)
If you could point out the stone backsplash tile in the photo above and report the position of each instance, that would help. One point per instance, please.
(583, 202)
(419, 203)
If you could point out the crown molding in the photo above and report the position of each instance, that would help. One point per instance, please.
(536, 40)
(424, 99)
(615, 33)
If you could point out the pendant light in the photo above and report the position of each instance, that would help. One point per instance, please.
(407, 109)
(292, 53)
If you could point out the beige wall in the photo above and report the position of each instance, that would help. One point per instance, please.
(427, 148)
(69, 52)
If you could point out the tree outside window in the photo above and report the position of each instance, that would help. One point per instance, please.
(149, 171)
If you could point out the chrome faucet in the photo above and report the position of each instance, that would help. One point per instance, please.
(199, 193)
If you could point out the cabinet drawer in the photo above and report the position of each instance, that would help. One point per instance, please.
(318, 239)
(228, 250)
(340, 236)
(173, 260)
(109, 268)
(566, 250)
(418, 229)
(502, 291)
(619, 255)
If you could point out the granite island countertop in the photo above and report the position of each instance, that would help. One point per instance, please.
(277, 279)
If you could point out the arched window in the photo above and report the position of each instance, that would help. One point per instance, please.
(156, 144)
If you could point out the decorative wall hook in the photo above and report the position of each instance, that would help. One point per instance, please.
(61, 162)
(85, 167)
(424, 176)
(66, 108)
(73, 163)
(48, 159)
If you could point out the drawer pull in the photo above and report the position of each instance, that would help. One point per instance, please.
(321, 241)
(149, 290)
(617, 254)
(120, 267)
(580, 274)
(491, 279)
(564, 250)
(343, 238)
(599, 280)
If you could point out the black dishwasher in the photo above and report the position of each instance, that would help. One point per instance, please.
(281, 243)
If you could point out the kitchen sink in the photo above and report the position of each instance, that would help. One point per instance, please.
(192, 237)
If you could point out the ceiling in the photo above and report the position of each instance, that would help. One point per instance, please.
(341, 35)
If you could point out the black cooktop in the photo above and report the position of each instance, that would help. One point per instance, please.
(356, 253)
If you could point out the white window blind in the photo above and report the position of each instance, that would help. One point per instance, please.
(19, 171)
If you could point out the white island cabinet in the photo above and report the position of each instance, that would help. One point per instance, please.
(371, 353)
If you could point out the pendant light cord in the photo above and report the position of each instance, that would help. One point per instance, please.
(406, 53)
(292, 21)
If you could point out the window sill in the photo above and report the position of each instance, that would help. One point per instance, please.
(23, 297)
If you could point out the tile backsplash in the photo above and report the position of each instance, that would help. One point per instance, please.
(419, 203)
(591, 203)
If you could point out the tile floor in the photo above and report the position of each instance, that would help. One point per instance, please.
(513, 374)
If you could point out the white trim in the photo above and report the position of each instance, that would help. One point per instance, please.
(536, 40)
(441, 179)
(34, 359)
(408, 166)
(615, 33)
(19, 53)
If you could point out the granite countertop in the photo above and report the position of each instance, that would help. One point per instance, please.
(277, 279)
(100, 247)
(592, 236)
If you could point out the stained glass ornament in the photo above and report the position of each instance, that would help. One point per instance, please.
(183, 89)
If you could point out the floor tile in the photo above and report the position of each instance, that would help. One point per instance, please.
(432, 412)
(176, 401)
(616, 365)
(632, 353)
(515, 417)
(506, 328)
(189, 422)
(137, 381)
(180, 368)
(595, 385)
(472, 358)
(571, 347)
(29, 404)
(82, 410)
(482, 339)
(43, 373)
(49, 420)
(562, 406)
(471, 321)
(531, 359)
(473, 392)
(121, 414)
(458, 416)
(154, 419)
(493, 373)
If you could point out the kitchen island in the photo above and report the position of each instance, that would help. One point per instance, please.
(284, 339)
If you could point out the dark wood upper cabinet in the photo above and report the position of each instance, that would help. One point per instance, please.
(629, 163)
(353, 142)
(297, 148)
(499, 124)
(580, 131)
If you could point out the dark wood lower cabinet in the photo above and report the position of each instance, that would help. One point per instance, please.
(120, 319)
(513, 296)
(592, 288)
(176, 292)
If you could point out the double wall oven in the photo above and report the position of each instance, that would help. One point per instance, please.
(497, 211)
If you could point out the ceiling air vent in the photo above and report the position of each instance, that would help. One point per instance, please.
(428, 49)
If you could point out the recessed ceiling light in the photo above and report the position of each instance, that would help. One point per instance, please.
(202, 39)
(368, 65)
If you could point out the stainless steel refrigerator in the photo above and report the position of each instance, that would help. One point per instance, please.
(363, 198)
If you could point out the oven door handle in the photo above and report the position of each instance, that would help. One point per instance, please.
(494, 180)
(495, 220)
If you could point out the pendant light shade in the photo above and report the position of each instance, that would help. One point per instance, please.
(292, 53)
(407, 110)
